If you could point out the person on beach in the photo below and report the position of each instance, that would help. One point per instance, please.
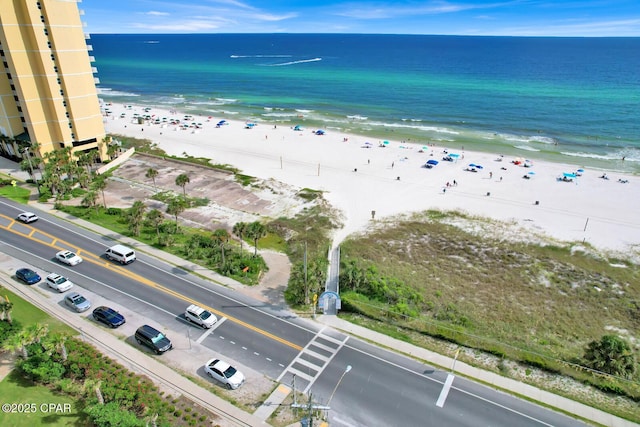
(392, 164)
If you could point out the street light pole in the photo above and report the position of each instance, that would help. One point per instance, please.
(346, 371)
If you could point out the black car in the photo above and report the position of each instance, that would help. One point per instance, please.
(153, 338)
(28, 276)
(108, 316)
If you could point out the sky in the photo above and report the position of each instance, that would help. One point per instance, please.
(585, 18)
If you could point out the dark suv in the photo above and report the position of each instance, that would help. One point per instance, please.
(153, 338)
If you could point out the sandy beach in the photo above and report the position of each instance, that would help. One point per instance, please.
(361, 175)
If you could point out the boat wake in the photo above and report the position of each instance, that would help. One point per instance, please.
(302, 61)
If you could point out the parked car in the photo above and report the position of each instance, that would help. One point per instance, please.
(225, 373)
(108, 316)
(58, 282)
(153, 338)
(68, 258)
(28, 217)
(200, 316)
(28, 276)
(77, 302)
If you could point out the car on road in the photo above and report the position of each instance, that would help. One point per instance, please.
(77, 302)
(200, 316)
(68, 258)
(225, 373)
(58, 282)
(28, 217)
(108, 316)
(153, 338)
(28, 276)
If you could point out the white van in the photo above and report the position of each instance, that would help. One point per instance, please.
(120, 253)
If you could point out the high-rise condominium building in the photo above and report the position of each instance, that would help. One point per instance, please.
(48, 97)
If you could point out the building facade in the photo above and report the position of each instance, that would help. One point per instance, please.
(48, 96)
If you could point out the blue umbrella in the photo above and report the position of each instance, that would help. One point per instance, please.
(478, 166)
(569, 175)
(472, 165)
(432, 162)
(454, 155)
(531, 173)
(580, 170)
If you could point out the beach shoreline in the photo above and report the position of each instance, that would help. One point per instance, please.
(360, 176)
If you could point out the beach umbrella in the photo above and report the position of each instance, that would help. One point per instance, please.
(569, 175)
(432, 162)
(385, 142)
(531, 173)
(580, 170)
(454, 155)
(478, 166)
(472, 165)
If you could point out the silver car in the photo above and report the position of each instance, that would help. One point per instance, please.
(77, 302)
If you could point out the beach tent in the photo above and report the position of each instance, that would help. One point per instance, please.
(430, 163)
(297, 127)
(319, 132)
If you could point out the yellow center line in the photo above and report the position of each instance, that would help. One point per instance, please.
(94, 259)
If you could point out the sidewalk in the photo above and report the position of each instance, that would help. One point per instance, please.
(503, 383)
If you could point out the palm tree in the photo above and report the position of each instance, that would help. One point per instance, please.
(155, 217)
(222, 237)
(7, 306)
(182, 180)
(99, 184)
(37, 331)
(89, 200)
(239, 229)
(18, 343)
(56, 342)
(256, 231)
(136, 215)
(152, 173)
(175, 207)
(611, 354)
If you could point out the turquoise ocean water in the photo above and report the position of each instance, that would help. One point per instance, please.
(574, 100)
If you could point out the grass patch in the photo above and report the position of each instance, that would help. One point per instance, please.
(273, 242)
(30, 315)
(15, 193)
(16, 389)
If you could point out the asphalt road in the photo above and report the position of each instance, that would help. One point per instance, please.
(381, 389)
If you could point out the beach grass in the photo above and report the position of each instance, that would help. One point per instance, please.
(540, 304)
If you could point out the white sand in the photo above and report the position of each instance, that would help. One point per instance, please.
(610, 210)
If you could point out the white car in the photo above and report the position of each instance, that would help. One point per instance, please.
(200, 316)
(225, 373)
(58, 282)
(68, 257)
(27, 217)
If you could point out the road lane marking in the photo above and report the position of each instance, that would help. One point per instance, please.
(445, 391)
(205, 335)
(97, 260)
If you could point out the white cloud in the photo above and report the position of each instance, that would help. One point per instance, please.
(386, 11)
(272, 18)
(156, 13)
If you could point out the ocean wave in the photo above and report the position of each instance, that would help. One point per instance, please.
(418, 127)
(301, 61)
(608, 156)
(525, 148)
(357, 117)
(105, 91)
(281, 114)
(304, 111)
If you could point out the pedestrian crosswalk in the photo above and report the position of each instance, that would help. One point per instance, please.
(312, 360)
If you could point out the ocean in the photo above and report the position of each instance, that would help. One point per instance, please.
(570, 100)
